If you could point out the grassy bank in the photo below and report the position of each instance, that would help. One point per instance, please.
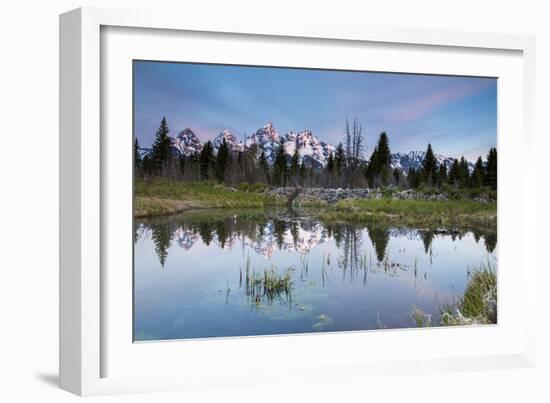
(478, 306)
(162, 196)
(448, 213)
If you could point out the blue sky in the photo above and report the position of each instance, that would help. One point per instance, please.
(458, 115)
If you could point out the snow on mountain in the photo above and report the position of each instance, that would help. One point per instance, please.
(186, 143)
(232, 142)
(186, 238)
(312, 151)
(306, 238)
(303, 240)
(265, 139)
(143, 152)
(413, 159)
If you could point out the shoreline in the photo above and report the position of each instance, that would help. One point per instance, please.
(441, 223)
(164, 198)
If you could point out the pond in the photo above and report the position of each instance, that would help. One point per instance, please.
(220, 273)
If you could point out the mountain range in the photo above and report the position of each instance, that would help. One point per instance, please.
(303, 240)
(306, 238)
(312, 151)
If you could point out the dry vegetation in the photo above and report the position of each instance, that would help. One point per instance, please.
(162, 196)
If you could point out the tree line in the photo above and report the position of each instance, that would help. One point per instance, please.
(348, 237)
(346, 167)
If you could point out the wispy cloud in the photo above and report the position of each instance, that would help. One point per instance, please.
(425, 105)
(458, 114)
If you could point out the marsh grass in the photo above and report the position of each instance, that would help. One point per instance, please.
(154, 206)
(480, 297)
(478, 306)
(267, 286)
(420, 318)
(459, 213)
(252, 187)
(161, 196)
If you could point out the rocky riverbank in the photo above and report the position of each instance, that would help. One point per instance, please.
(333, 196)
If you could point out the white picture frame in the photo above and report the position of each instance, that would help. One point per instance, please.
(88, 332)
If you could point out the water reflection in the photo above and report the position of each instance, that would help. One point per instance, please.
(266, 232)
(220, 273)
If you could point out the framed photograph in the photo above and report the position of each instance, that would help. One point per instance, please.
(244, 203)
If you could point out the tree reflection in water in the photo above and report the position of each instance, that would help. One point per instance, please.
(293, 231)
(379, 236)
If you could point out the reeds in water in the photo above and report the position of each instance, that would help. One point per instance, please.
(269, 285)
(420, 318)
(478, 306)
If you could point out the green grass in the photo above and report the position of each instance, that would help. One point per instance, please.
(154, 206)
(420, 318)
(162, 196)
(469, 193)
(478, 306)
(252, 187)
(459, 213)
(267, 286)
(480, 297)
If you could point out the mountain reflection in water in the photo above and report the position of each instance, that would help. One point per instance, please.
(214, 273)
(264, 233)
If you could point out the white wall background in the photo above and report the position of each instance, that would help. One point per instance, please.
(29, 201)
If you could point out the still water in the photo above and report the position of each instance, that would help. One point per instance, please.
(219, 273)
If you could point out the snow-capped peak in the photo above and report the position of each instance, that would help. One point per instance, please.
(414, 159)
(265, 134)
(186, 142)
(265, 139)
(230, 139)
(312, 151)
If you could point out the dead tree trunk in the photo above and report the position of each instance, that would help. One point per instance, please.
(293, 196)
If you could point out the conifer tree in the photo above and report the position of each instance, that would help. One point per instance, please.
(454, 173)
(329, 170)
(340, 158)
(221, 160)
(147, 165)
(303, 173)
(330, 163)
(279, 165)
(137, 157)
(410, 177)
(383, 146)
(264, 166)
(491, 169)
(396, 175)
(476, 180)
(430, 167)
(413, 178)
(373, 168)
(161, 237)
(194, 165)
(380, 236)
(182, 166)
(442, 174)
(463, 173)
(383, 157)
(161, 147)
(295, 165)
(205, 160)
